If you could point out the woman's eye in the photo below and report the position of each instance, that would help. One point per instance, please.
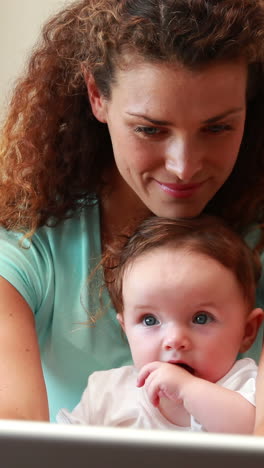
(148, 131)
(218, 128)
(150, 320)
(202, 318)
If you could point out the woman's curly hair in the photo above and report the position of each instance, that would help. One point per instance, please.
(54, 152)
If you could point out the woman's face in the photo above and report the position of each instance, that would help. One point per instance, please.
(175, 133)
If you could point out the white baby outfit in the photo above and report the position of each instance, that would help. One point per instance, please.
(112, 398)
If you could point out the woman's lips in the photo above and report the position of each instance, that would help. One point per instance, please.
(179, 190)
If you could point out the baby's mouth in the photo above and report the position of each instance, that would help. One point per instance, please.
(184, 366)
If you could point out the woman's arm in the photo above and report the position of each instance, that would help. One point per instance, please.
(22, 387)
(259, 424)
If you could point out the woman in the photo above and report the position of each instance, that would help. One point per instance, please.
(127, 108)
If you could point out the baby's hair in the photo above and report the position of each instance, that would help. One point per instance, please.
(206, 235)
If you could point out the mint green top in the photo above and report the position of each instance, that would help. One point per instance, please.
(52, 275)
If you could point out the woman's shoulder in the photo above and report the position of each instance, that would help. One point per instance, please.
(52, 254)
(83, 224)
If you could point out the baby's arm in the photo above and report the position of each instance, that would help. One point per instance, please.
(216, 408)
(219, 409)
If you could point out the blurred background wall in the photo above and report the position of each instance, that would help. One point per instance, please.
(20, 24)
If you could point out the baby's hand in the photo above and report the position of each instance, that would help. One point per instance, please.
(162, 379)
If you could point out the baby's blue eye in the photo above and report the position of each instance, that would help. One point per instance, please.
(150, 320)
(202, 318)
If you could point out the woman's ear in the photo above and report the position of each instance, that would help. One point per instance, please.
(253, 322)
(120, 319)
(97, 101)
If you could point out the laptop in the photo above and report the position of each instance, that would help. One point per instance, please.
(44, 445)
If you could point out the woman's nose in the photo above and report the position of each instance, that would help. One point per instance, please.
(183, 159)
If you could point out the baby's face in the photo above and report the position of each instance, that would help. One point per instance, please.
(184, 307)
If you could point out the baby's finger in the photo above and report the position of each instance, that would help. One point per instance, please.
(153, 390)
(142, 377)
(145, 372)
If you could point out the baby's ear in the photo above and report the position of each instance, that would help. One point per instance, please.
(253, 322)
(120, 319)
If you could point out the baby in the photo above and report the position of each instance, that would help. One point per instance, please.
(185, 294)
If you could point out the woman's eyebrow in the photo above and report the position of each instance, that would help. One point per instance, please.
(153, 121)
(227, 113)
